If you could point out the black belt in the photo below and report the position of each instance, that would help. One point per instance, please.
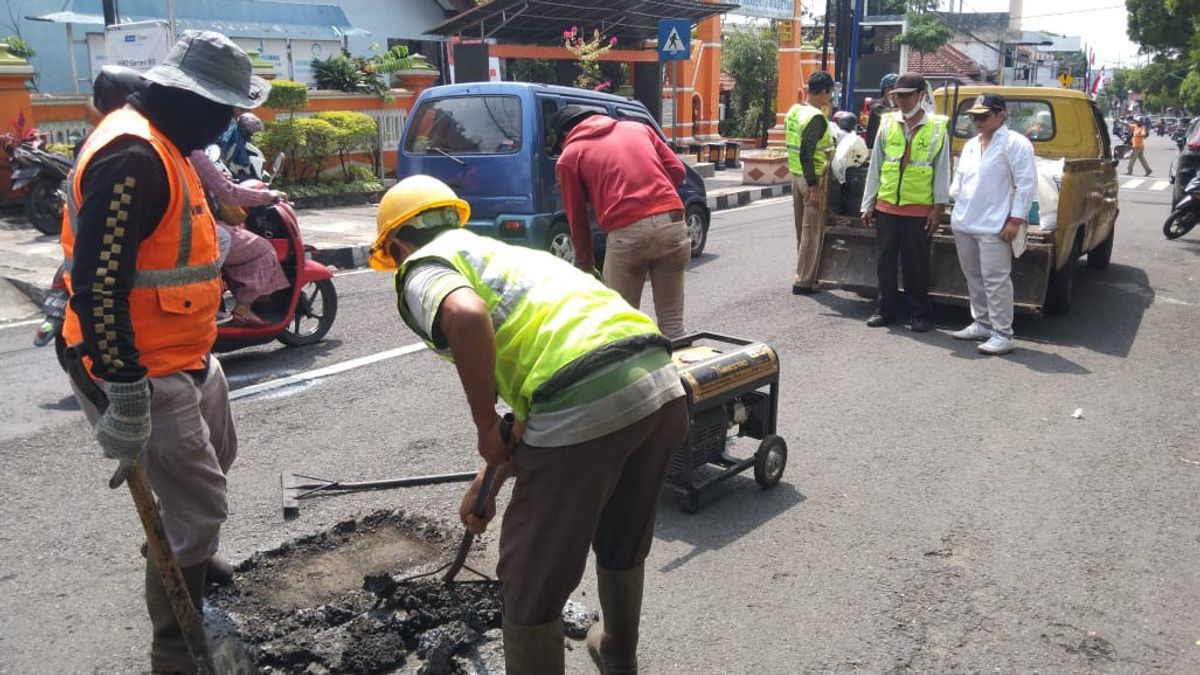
(597, 359)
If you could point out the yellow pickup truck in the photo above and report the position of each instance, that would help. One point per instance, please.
(1044, 277)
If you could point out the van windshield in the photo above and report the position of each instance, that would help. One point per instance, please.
(465, 125)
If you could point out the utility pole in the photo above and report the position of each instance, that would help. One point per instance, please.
(855, 28)
(110, 12)
(825, 42)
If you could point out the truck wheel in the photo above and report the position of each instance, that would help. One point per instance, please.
(1100, 254)
(1061, 286)
(558, 242)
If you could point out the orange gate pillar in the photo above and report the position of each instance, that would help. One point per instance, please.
(796, 63)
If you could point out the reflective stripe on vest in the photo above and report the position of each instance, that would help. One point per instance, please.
(545, 313)
(911, 183)
(182, 274)
(176, 281)
(798, 118)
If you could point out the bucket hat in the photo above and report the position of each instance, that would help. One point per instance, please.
(211, 65)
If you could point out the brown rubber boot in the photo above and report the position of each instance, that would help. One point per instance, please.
(533, 650)
(168, 651)
(612, 642)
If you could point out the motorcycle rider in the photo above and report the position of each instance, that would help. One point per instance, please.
(599, 407)
(144, 286)
(233, 145)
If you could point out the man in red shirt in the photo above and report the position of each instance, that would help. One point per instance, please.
(628, 174)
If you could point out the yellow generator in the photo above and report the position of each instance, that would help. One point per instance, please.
(733, 384)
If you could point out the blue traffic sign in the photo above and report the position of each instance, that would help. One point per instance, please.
(674, 39)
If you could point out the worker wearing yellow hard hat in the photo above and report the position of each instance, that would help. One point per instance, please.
(599, 407)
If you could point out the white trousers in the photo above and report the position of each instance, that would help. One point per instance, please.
(986, 262)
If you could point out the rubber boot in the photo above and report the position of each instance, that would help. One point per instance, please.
(612, 642)
(220, 572)
(533, 650)
(168, 650)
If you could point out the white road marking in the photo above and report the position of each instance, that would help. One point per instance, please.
(1131, 184)
(309, 376)
(17, 324)
(1160, 185)
(350, 273)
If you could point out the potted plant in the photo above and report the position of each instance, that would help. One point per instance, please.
(411, 71)
(765, 168)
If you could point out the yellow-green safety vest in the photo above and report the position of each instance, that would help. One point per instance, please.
(798, 117)
(912, 184)
(545, 312)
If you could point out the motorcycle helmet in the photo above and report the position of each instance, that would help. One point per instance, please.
(403, 203)
(888, 82)
(113, 85)
(249, 124)
(845, 120)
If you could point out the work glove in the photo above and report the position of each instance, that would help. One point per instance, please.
(124, 427)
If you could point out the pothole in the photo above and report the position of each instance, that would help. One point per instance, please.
(328, 603)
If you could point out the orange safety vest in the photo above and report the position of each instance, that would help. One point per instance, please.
(177, 285)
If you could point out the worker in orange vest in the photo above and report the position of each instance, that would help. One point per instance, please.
(141, 248)
(1140, 130)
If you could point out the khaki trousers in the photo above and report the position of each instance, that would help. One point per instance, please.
(658, 246)
(192, 445)
(809, 224)
(603, 493)
(1138, 154)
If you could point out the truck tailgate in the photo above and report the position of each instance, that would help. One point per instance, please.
(848, 259)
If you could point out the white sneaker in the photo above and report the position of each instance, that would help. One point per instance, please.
(976, 331)
(996, 345)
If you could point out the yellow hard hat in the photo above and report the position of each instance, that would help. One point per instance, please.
(403, 202)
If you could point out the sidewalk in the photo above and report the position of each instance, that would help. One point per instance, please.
(342, 237)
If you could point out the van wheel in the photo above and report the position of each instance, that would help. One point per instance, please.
(1061, 287)
(1098, 258)
(697, 228)
(559, 244)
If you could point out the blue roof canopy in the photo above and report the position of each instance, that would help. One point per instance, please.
(235, 18)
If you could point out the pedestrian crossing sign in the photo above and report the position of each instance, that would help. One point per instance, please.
(674, 39)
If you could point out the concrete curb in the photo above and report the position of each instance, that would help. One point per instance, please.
(356, 256)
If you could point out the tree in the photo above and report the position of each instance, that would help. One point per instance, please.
(1189, 91)
(1163, 25)
(925, 32)
(750, 54)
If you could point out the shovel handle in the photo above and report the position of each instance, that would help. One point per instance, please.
(489, 474)
(159, 550)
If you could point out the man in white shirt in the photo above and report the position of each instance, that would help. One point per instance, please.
(993, 189)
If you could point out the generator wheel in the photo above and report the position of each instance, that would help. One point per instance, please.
(769, 461)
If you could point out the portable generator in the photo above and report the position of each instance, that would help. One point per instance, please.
(735, 385)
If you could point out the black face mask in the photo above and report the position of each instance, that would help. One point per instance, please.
(191, 121)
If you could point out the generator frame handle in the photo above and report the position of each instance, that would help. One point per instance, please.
(691, 338)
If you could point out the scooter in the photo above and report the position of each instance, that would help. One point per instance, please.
(43, 173)
(300, 314)
(54, 311)
(1186, 213)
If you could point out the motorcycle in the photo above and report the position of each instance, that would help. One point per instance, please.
(54, 310)
(1179, 135)
(300, 314)
(297, 316)
(1186, 213)
(43, 173)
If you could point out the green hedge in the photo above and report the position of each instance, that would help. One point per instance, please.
(353, 132)
(358, 186)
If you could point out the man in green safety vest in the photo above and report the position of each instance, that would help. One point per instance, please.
(908, 187)
(809, 142)
(600, 411)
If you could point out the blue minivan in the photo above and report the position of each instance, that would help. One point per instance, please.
(492, 143)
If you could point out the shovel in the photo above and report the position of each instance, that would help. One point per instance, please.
(233, 660)
(455, 566)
